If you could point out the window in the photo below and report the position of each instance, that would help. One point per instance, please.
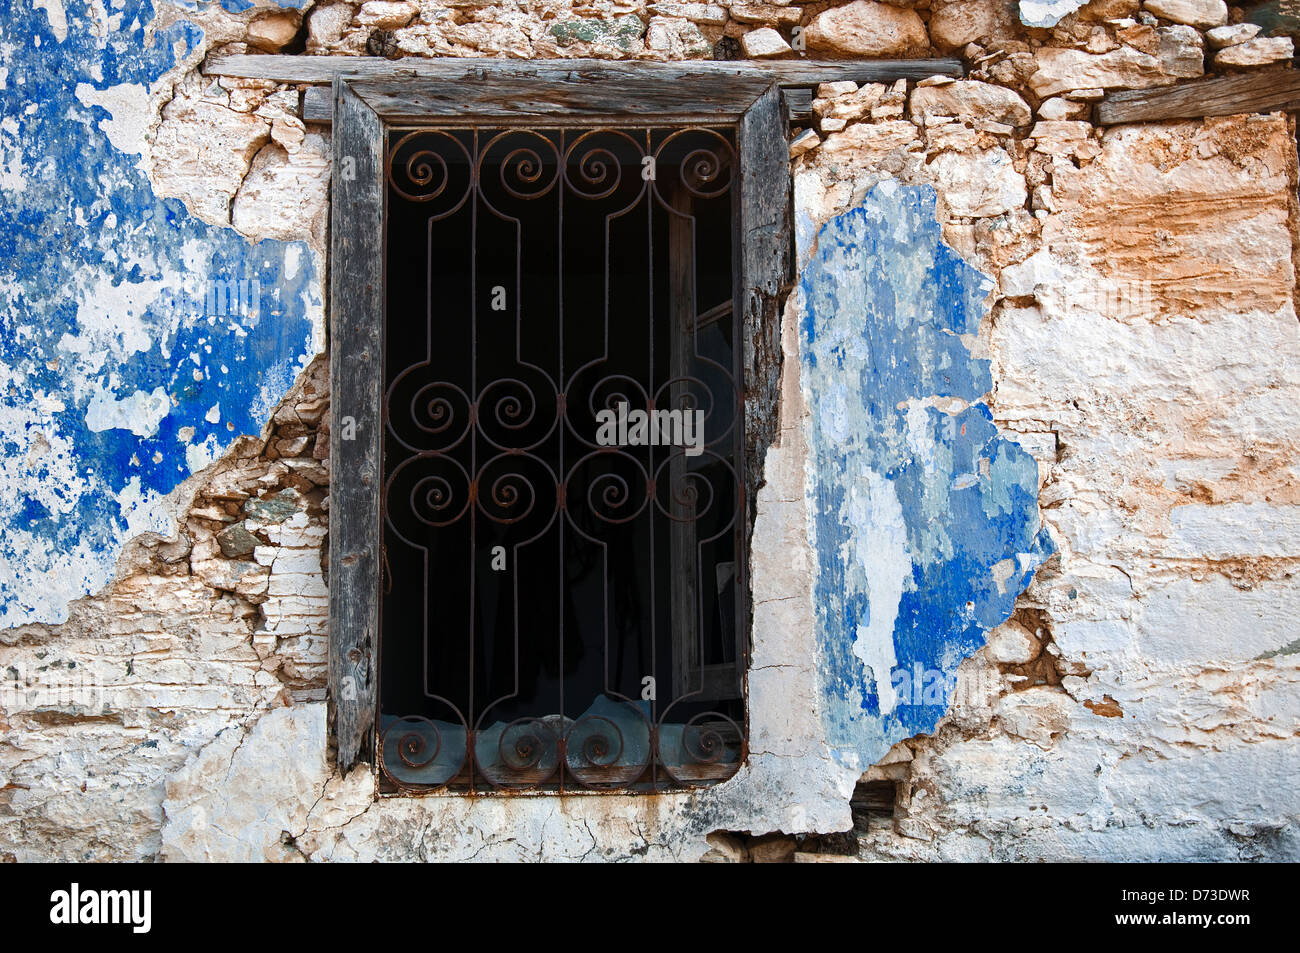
(544, 332)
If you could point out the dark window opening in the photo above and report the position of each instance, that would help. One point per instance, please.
(563, 475)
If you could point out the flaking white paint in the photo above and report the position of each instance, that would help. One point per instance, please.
(881, 550)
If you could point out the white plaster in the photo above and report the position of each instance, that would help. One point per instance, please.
(882, 553)
(199, 455)
(1045, 13)
(129, 114)
(143, 512)
(56, 16)
(139, 412)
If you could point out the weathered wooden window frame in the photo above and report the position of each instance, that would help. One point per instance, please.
(362, 108)
(363, 102)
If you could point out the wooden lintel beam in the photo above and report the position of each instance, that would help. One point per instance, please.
(537, 98)
(318, 105)
(1216, 96)
(321, 70)
(709, 85)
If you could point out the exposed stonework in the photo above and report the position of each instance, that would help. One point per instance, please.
(1177, 54)
(1198, 13)
(274, 32)
(680, 38)
(965, 99)
(758, 44)
(865, 28)
(1261, 51)
(956, 23)
(386, 14)
(1222, 36)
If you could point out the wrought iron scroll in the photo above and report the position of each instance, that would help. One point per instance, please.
(520, 451)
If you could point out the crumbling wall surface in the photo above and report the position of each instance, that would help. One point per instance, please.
(199, 636)
(924, 519)
(1089, 389)
(1142, 702)
(1154, 335)
(140, 340)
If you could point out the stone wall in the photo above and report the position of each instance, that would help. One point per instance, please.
(1128, 322)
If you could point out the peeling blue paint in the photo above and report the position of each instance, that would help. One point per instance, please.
(117, 380)
(925, 520)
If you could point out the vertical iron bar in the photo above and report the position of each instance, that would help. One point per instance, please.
(560, 409)
(471, 754)
(685, 592)
(652, 188)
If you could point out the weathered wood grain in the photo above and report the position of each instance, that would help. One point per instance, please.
(318, 106)
(601, 97)
(764, 266)
(1218, 96)
(798, 105)
(356, 375)
(323, 69)
(765, 254)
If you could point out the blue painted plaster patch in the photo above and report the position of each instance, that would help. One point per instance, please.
(925, 519)
(121, 371)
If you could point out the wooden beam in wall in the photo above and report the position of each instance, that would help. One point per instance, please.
(466, 82)
(321, 70)
(511, 76)
(1215, 96)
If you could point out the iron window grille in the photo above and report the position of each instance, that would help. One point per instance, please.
(563, 460)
